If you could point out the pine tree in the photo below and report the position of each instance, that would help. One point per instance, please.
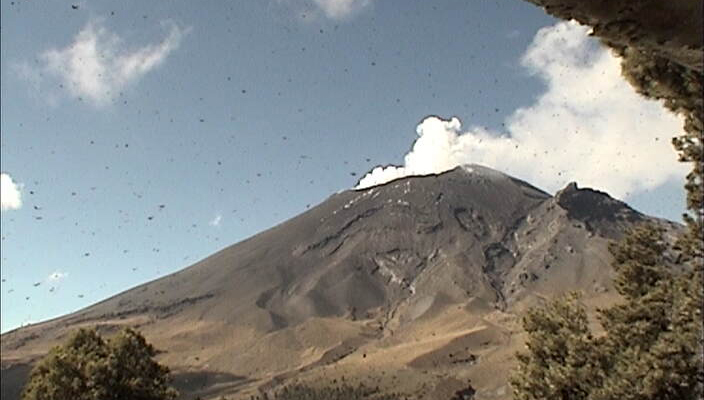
(651, 349)
(651, 346)
(558, 364)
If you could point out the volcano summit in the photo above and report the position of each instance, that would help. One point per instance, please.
(416, 285)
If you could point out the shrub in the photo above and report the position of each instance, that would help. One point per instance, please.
(87, 367)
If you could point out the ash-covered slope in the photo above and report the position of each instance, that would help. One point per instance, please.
(358, 268)
(358, 250)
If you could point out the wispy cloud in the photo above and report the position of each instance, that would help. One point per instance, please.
(312, 10)
(10, 193)
(216, 221)
(97, 65)
(340, 9)
(588, 126)
(513, 34)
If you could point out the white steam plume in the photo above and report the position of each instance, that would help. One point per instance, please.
(588, 126)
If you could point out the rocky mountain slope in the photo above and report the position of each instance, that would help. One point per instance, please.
(416, 285)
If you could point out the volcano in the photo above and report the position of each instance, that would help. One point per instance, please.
(417, 285)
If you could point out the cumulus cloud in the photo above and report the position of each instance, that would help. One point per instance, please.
(98, 64)
(588, 126)
(10, 193)
(339, 9)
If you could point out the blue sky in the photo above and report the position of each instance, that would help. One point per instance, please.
(139, 137)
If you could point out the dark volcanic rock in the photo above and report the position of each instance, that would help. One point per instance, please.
(600, 212)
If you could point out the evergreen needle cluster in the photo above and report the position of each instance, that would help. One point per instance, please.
(651, 348)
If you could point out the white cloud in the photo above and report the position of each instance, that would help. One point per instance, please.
(57, 276)
(215, 221)
(10, 193)
(339, 9)
(312, 10)
(98, 65)
(588, 126)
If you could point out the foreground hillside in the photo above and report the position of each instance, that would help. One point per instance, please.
(417, 286)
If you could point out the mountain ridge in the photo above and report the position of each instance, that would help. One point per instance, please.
(455, 255)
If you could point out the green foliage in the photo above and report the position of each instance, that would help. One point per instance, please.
(87, 367)
(558, 364)
(652, 346)
(639, 260)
